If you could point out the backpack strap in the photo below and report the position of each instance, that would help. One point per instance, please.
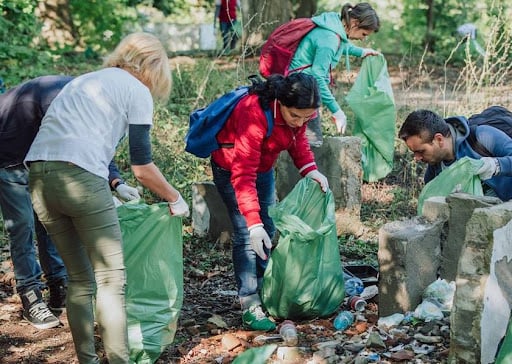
(475, 144)
(270, 121)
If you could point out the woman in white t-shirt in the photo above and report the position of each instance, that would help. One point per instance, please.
(69, 183)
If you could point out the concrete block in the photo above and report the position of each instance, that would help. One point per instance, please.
(409, 258)
(481, 308)
(461, 207)
(209, 214)
(339, 159)
(436, 208)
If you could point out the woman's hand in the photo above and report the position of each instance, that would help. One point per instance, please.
(320, 178)
(179, 207)
(259, 237)
(369, 52)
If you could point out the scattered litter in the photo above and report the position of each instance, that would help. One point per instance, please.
(391, 320)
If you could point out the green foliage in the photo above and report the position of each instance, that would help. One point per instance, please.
(167, 7)
(364, 252)
(24, 52)
(435, 30)
(101, 23)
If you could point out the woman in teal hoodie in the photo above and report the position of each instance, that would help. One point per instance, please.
(322, 48)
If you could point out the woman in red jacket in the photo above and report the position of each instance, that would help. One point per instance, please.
(244, 176)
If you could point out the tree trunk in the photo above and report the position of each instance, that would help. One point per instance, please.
(429, 37)
(58, 27)
(306, 9)
(263, 16)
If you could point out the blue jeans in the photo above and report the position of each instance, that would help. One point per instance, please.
(249, 267)
(229, 36)
(20, 222)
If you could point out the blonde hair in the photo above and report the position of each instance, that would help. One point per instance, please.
(144, 56)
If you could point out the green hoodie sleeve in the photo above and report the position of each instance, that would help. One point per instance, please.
(322, 49)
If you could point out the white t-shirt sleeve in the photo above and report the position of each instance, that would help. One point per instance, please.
(141, 108)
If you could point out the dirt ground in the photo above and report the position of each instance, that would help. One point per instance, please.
(200, 339)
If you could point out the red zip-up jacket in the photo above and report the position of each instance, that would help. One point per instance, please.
(248, 151)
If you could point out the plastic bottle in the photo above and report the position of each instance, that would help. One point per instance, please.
(357, 303)
(288, 332)
(343, 320)
(354, 286)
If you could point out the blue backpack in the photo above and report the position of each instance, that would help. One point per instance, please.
(205, 123)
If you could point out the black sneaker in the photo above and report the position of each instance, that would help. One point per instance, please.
(36, 312)
(57, 301)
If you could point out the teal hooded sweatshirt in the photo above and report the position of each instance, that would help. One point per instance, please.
(320, 51)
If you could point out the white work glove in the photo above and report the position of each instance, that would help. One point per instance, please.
(488, 169)
(340, 120)
(127, 193)
(370, 52)
(320, 178)
(259, 237)
(179, 207)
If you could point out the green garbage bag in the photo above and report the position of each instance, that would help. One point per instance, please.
(371, 99)
(304, 277)
(459, 177)
(258, 355)
(153, 256)
(505, 351)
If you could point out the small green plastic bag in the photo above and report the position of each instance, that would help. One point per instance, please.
(371, 99)
(459, 177)
(304, 277)
(258, 355)
(153, 256)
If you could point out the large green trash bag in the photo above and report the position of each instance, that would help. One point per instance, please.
(459, 177)
(304, 277)
(505, 351)
(153, 256)
(371, 99)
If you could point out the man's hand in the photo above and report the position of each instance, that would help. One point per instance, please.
(179, 207)
(489, 169)
(320, 178)
(127, 192)
(340, 119)
(259, 237)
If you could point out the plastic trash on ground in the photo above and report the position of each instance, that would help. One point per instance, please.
(391, 320)
(428, 311)
(441, 292)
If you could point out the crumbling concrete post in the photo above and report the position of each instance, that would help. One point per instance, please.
(339, 159)
(209, 214)
(481, 312)
(409, 258)
(461, 207)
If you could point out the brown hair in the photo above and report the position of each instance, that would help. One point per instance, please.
(363, 13)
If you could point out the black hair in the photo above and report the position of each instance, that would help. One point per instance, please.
(298, 90)
(425, 124)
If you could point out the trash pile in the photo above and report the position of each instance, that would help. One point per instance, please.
(357, 335)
